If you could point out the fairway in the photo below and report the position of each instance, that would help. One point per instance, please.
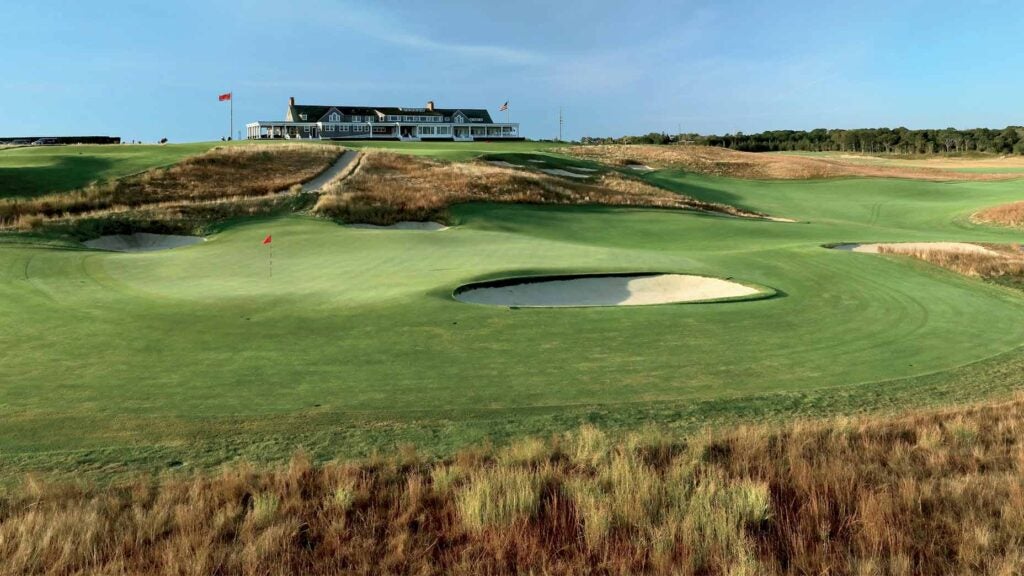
(197, 355)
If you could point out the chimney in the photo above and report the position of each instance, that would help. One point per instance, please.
(430, 105)
(291, 101)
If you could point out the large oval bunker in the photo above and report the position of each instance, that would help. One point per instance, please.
(633, 289)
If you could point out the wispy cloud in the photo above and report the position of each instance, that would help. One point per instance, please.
(373, 21)
(482, 51)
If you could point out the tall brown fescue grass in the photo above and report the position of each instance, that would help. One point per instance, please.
(222, 180)
(998, 261)
(735, 164)
(389, 188)
(1005, 215)
(930, 492)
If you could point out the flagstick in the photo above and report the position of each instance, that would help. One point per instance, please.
(271, 246)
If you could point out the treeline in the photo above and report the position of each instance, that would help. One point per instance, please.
(1009, 140)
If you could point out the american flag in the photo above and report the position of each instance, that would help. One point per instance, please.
(503, 107)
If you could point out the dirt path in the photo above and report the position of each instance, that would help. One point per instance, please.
(326, 176)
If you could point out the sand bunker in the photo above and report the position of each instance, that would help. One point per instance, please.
(578, 169)
(427, 226)
(639, 167)
(598, 290)
(560, 172)
(537, 161)
(503, 164)
(917, 246)
(141, 242)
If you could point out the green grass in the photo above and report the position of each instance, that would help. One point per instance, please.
(119, 362)
(455, 151)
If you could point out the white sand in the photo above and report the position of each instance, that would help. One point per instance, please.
(141, 242)
(578, 169)
(918, 246)
(503, 164)
(639, 167)
(560, 172)
(607, 291)
(537, 161)
(427, 226)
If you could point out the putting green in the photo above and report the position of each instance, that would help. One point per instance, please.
(118, 362)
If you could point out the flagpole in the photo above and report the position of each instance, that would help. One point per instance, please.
(231, 125)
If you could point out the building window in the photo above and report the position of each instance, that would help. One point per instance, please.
(334, 117)
(305, 129)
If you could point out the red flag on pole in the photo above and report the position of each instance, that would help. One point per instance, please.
(224, 97)
(267, 239)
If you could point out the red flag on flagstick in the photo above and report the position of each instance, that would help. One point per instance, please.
(224, 97)
(267, 239)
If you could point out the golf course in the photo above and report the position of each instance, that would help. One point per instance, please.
(347, 341)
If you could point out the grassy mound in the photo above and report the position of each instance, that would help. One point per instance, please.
(1004, 215)
(715, 161)
(39, 170)
(389, 188)
(220, 183)
(932, 492)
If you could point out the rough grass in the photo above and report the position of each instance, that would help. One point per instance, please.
(715, 161)
(1004, 215)
(389, 188)
(225, 181)
(931, 492)
(1000, 261)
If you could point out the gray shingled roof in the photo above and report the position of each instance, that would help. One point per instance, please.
(315, 113)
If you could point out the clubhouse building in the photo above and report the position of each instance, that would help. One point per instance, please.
(383, 123)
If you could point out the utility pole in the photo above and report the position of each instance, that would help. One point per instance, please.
(561, 123)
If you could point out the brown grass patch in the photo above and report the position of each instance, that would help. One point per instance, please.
(716, 161)
(931, 492)
(233, 180)
(1005, 215)
(1002, 260)
(390, 188)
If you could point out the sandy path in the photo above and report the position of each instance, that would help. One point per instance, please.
(560, 172)
(503, 164)
(607, 291)
(326, 176)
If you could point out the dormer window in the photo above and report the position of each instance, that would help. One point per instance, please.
(335, 117)
(302, 117)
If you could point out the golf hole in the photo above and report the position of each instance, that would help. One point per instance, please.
(580, 290)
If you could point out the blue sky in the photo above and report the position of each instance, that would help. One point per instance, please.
(146, 70)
